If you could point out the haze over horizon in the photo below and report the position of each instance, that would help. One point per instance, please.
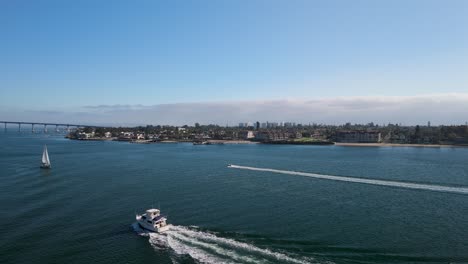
(176, 62)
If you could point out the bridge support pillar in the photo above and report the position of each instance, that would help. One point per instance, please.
(5, 126)
(68, 128)
(19, 127)
(45, 128)
(56, 129)
(32, 128)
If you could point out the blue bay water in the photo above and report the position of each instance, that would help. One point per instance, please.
(82, 210)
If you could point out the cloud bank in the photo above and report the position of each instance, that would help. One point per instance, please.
(450, 108)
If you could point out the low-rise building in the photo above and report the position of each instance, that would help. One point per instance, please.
(358, 137)
(83, 135)
(125, 136)
(271, 136)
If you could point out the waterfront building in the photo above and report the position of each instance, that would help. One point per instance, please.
(125, 136)
(246, 134)
(271, 136)
(83, 135)
(358, 137)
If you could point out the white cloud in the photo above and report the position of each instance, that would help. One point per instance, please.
(450, 108)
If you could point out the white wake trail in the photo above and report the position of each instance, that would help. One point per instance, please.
(236, 245)
(417, 186)
(237, 258)
(208, 248)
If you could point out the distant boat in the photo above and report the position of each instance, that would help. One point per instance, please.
(45, 159)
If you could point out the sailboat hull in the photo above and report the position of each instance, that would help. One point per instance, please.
(45, 166)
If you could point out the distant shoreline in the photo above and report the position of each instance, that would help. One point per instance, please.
(398, 145)
(235, 142)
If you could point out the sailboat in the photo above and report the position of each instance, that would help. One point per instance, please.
(45, 159)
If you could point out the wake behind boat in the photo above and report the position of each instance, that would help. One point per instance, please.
(153, 221)
(45, 159)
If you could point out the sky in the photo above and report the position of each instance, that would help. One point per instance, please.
(219, 61)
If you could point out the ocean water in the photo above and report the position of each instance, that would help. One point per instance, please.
(83, 209)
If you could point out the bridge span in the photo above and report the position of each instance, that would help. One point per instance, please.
(32, 124)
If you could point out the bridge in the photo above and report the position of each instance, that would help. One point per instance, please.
(57, 125)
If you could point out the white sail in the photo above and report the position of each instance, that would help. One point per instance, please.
(45, 157)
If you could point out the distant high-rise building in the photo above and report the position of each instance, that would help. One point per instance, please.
(289, 124)
(257, 125)
(272, 124)
(428, 123)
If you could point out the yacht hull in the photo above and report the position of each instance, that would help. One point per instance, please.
(150, 227)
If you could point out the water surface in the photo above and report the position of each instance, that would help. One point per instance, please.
(82, 210)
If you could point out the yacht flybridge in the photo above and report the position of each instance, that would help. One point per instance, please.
(153, 221)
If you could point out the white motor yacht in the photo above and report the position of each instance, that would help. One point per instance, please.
(153, 221)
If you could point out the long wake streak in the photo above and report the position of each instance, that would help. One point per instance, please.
(407, 185)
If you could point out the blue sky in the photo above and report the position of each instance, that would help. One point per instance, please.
(67, 55)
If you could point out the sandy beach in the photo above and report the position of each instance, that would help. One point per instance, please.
(215, 141)
(397, 145)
